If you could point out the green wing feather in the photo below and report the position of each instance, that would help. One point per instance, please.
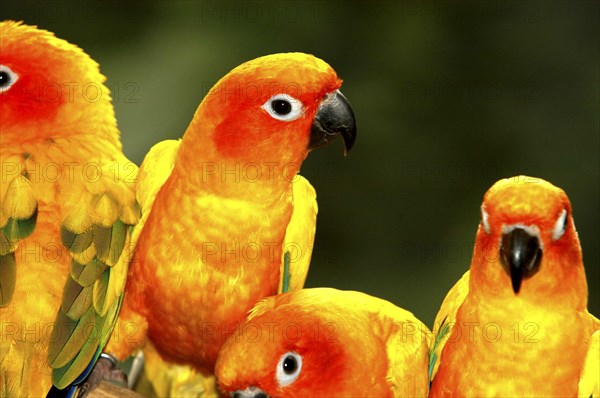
(97, 233)
(18, 218)
(434, 353)
(8, 277)
(445, 320)
(285, 283)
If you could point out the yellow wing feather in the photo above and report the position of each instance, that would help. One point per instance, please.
(407, 345)
(98, 212)
(154, 171)
(299, 236)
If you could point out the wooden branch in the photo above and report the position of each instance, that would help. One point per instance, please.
(107, 390)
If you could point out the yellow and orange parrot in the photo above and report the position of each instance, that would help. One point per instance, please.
(517, 324)
(226, 219)
(324, 342)
(66, 205)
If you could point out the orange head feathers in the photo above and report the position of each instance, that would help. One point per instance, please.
(47, 82)
(274, 108)
(527, 244)
(324, 342)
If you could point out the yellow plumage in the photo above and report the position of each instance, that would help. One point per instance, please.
(516, 324)
(226, 220)
(67, 202)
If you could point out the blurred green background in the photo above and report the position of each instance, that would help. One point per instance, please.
(449, 97)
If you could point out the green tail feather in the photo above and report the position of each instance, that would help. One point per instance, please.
(68, 336)
(63, 376)
(90, 352)
(8, 278)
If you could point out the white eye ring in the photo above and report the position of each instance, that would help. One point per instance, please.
(12, 78)
(561, 226)
(288, 368)
(283, 107)
(485, 220)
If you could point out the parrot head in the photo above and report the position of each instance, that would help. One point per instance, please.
(49, 88)
(284, 349)
(526, 243)
(272, 110)
(320, 342)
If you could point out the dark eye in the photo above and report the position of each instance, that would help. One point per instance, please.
(288, 368)
(283, 107)
(7, 78)
(290, 365)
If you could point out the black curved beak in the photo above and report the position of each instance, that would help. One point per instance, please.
(334, 117)
(520, 255)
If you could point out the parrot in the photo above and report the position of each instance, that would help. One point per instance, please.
(226, 218)
(324, 342)
(67, 204)
(516, 324)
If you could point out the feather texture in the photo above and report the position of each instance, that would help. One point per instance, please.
(66, 205)
(221, 210)
(350, 344)
(498, 340)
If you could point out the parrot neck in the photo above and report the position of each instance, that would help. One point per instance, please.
(204, 169)
(87, 126)
(70, 149)
(564, 295)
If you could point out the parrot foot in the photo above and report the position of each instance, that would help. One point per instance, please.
(105, 370)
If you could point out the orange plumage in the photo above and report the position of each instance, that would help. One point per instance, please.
(218, 220)
(336, 344)
(517, 323)
(63, 176)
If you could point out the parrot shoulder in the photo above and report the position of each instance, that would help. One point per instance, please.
(18, 217)
(154, 172)
(407, 347)
(299, 236)
(445, 320)
(98, 213)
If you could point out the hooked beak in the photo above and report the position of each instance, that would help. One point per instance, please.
(250, 392)
(334, 117)
(520, 255)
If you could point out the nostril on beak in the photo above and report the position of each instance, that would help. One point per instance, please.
(250, 392)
